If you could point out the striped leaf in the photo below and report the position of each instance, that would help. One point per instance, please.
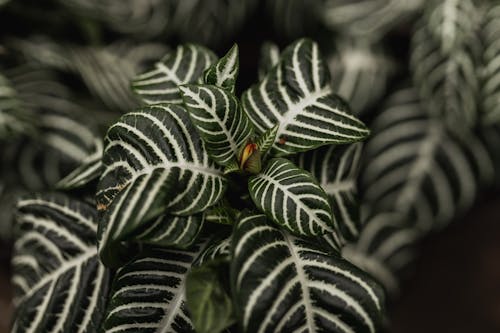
(148, 293)
(160, 137)
(10, 107)
(225, 71)
(171, 231)
(221, 213)
(292, 198)
(385, 248)
(60, 286)
(219, 119)
(266, 140)
(284, 284)
(413, 166)
(89, 170)
(185, 65)
(445, 52)
(490, 88)
(297, 96)
(218, 248)
(336, 170)
(138, 204)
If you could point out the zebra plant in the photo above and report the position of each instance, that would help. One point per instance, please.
(212, 213)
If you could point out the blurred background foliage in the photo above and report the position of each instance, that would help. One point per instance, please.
(424, 76)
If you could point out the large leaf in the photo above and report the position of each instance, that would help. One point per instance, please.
(219, 119)
(283, 284)
(148, 293)
(445, 52)
(185, 65)
(296, 95)
(414, 166)
(336, 170)
(60, 286)
(292, 198)
(155, 137)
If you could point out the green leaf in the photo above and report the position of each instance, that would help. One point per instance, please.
(171, 231)
(224, 72)
(141, 201)
(336, 170)
(209, 304)
(11, 120)
(185, 65)
(56, 266)
(219, 119)
(149, 293)
(445, 53)
(281, 283)
(231, 166)
(266, 140)
(414, 166)
(292, 198)
(160, 137)
(297, 96)
(269, 57)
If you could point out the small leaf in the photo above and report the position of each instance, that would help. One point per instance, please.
(209, 304)
(224, 72)
(266, 140)
(291, 197)
(219, 119)
(185, 65)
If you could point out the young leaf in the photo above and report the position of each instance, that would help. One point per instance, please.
(284, 284)
(221, 213)
(160, 136)
(231, 166)
(219, 119)
(185, 65)
(266, 140)
(56, 266)
(292, 198)
(297, 96)
(224, 72)
(209, 304)
(148, 293)
(336, 170)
